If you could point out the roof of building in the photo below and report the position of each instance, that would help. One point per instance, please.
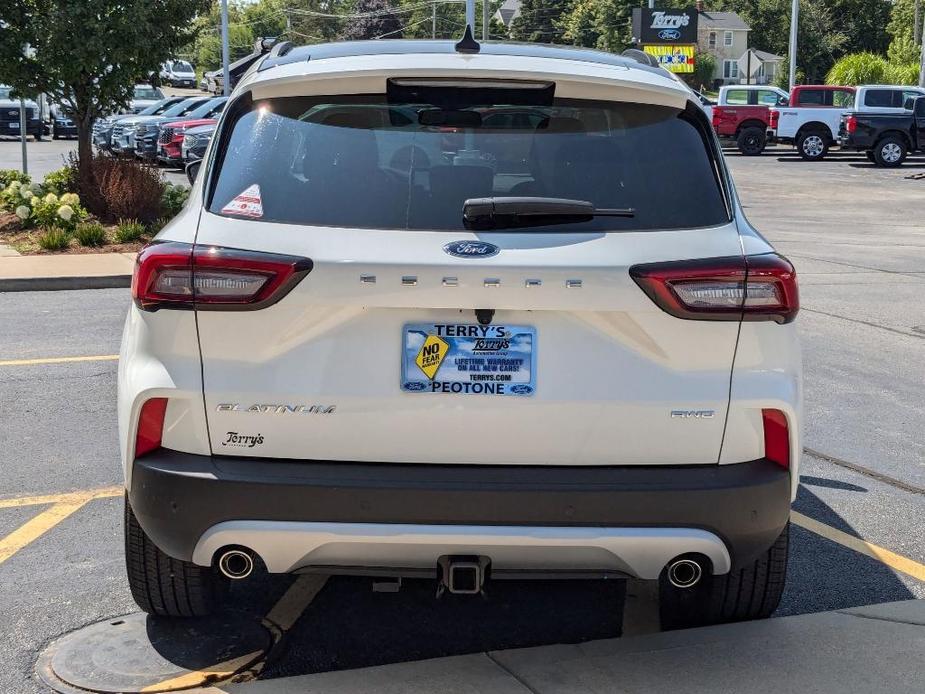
(766, 57)
(723, 20)
(509, 11)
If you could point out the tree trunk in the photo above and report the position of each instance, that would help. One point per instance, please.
(86, 182)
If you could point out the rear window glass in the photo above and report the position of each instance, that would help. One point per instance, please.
(813, 97)
(880, 98)
(737, 97)
(366, 162)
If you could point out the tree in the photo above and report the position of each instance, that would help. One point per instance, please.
(376, 20)
(858, 68)
(704, 69)
(603, 24)
(539, 21)
(88, 55)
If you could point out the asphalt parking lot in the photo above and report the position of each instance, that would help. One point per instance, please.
(857, 238)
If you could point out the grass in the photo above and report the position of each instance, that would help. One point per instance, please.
(129, 230)
(91, 234)
(53, 239)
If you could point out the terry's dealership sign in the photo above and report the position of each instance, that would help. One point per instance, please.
(664, 26)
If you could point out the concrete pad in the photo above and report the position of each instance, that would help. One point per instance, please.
(7, 251)
(465, 674)
(53, 272)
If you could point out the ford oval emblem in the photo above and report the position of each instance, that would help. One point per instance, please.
(471, 249)
(414, 386)
(521, 389)
(669, 34)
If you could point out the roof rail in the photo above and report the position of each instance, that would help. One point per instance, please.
(641, 57)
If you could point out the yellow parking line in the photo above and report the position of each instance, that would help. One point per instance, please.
(66, 497)
(57, 360)
(197, 678)
(33, 529)
(891, 559)
(294, 601)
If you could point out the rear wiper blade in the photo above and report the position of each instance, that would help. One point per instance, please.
(519, 212)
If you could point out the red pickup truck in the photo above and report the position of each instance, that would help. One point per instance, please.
(741, 115)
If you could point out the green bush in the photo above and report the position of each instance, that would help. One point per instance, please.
(90, 234)
(54, 239)
(7, 176)
(16, 194)
(858, 68)
(173, 198)
(64, 212)
(129, 230)
(62, 181)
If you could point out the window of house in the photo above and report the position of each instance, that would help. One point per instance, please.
(730, 72)
(712, 42)
(727, 38)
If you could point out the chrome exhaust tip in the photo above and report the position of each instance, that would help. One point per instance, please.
(235, 564)
(684, 573)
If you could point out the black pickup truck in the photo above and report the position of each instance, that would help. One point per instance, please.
(886, 137)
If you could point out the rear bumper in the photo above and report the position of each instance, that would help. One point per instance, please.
(190, 505)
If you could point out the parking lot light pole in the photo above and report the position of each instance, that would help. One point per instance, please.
(22, 134)
(225, 77)
(794, 24)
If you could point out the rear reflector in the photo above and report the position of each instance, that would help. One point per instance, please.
(773, 118)
(181, 276)
(757, 287)
(851, 124)
(150, 426)
(776, 437)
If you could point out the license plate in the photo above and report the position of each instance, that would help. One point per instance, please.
(15, 125)
(468, 359)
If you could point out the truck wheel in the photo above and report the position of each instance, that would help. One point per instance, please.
(890, 152)
(751, 141)
(813, 145)
(752, 592)
(162, 585)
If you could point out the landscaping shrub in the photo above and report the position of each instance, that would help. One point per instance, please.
(90, 234)
(17, 194)
(64, 212)
(129, 230)
(54, 239)
(173, 198)
(125, 188)
(62, 181)
(7, 176)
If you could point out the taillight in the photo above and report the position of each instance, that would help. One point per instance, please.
(150, 426)
(773, 118)
(776, 437)
(851, 124)
(181, 276)
(757, 287)
(717, 117)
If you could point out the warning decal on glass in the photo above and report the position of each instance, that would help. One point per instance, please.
(246, 204)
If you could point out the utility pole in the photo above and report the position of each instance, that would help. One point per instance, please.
(226, 79)
(921, 67)
(916, 34)
(470, 15)
(433, 19)
(485, 19)
(22, 133)
(794, 24)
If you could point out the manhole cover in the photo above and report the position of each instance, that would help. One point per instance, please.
(139, 653)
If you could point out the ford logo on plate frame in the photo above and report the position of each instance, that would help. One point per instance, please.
(669, 34)
(471, 249)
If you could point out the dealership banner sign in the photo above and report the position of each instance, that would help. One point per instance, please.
(673, 58)
(664, 26)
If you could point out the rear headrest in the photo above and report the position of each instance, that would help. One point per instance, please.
(561, 124)
(361, 118)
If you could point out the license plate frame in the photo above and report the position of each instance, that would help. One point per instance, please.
(463, 358)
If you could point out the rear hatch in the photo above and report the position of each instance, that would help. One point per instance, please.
(415, 339)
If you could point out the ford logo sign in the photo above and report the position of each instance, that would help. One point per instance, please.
(471, 249)
(669, 34)
(521, 389)
(415, 386)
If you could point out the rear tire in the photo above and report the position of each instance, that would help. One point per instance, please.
(813, 145)
(751, 592)
(752, 141)
(890, 152)
(162, 585)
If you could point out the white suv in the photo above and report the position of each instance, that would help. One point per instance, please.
(465, 312)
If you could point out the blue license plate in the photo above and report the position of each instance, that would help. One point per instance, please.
(458, 358)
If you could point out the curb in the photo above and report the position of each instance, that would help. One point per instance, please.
(52, 284)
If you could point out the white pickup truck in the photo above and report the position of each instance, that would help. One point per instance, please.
(811, 119)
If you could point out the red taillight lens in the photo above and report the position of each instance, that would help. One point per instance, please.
(773, 118)
(776, 437)
(181, 276)
(717, 117)
(150, 426)
(851, 124)
(759, 287)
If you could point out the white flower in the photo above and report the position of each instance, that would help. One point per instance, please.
(23, 212)
(51, 198)
(26, 193)
(14, 185)
(70, 199)
(66, 212)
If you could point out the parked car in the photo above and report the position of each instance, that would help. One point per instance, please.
(10, 116)
(195, 142)
(172, 135)
(146, 128)
(599, 394)
(810, 120)
(886, 137)
(144, 96)
(148, 145)
(115, 134)
(178, 73)
(740, 115)
(884, 98)
(62, 125)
